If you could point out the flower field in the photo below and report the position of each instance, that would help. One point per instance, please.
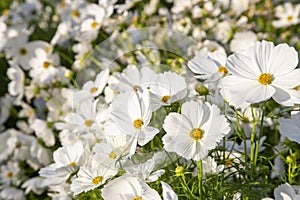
(149, 99)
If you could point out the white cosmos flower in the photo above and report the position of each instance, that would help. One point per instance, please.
(114, 148)
(84, 120)
(43, 132)
(92, 88)
(169, 87)
(21, 54)
(242, 41)
(145, 171)
(43, 66)
(290, 128)
(209, 65)
(134, 79)
(66, 160)
(287, 15)
(9, 173)
(262, 72)
(91, 177)
(128, 187)
(132, 113)
(195, 131)
(16, 86)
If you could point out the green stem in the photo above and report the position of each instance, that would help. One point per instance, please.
(200, 174)
(242, 134)
(252, 147)
(186, 188)
(259, 135)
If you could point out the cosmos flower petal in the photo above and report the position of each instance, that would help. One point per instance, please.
(167, 192)
(283, 59)
(240, 65)
(260, 93)
(263, 51)
(175, 123)
(289, 80)
(235, 90)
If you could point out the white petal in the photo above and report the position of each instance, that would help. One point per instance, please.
(147, 134)
(281, 96)
(288, 80)
(235, 90)
(284, 59)
(177, 124)
(193, 111)
(260, 93)
(167, 192)
(202, 65)
(241, 65)
(263, 52)
(284, 192)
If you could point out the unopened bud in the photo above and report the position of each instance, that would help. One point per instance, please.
(201, 89)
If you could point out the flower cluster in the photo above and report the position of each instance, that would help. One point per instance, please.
(149, 99)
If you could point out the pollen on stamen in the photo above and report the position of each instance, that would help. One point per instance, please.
(223, 69)
(138, 123)
(136, 88)
(97, 180)
(165, 98)
(94, 25)
(228, 162)
(88, 122)
(196, 134)
(112, 155)
(265, 79)
(137, 198)
(46, 65)
(72, 164)
(75, 13)
(289, 18)
(23, 51)
(93, 90)
(9, 174)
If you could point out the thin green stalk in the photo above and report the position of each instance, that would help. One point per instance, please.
(259, 135)
(242, 134)
(200, 174)
(186, 187)
(252, 146)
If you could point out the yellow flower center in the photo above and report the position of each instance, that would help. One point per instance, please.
(23, 51)
(47, 49)
(46, 65)
(228, 162)
(136, 88)
(93, 90)
(94, 25)
(97, 180)
(75, 13)
(223, 69)
(88, 122)
(137, 198)
(112, 155)
(289, 18)
(138, 123)
(265, 79)
(72, 164)
(165, 98)
(9, 174)
(196, 134)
